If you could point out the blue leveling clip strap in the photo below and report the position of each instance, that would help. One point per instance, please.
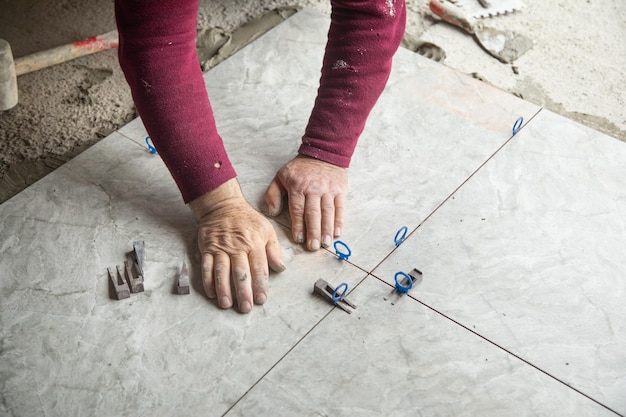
(338, 296)
(401, 288)
(151, 148)
(333, 295)
(517, 126)
(342, 255)
(400, 235)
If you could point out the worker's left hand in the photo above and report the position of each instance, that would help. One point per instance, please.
(316, 193)
(236, 242)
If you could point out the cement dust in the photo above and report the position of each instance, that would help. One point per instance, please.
(530, 90)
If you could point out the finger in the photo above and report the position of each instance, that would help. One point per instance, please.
(242, 281)
(274, 197)
(328, 219)
(313, 217)
(221, 275)
(260, 275)
(340, 207)
(296, 212)
(273, 254)
(207, 275)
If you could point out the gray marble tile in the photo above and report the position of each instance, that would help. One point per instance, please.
(530, 253)
(69, 349)
(405, 360)
(430, 130)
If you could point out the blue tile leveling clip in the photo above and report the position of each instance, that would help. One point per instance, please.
(400, 235)
(412, 278)
(342, 255)
(401, 287)
(403, 283)
(334, 295)
(518, 125)
(151, 148)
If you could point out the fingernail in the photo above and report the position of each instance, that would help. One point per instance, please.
(300, 237)
(326, 241)
(337, 231)
(261, 298)
(225, 302)
(282, 267)
(273, 211)
(245, 307)
(314, 244)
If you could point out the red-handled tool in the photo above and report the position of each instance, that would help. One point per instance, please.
(452, 14)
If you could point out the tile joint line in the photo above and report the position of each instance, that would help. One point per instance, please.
(459, 186)
(510, 353)
(278, 361)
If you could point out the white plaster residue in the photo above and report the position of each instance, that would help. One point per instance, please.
(340, 63)
(391, 8)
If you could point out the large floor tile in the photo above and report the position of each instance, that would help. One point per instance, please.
(404, 360)
(527, 251)
(69, 349)
(430, 130)
(530, 254)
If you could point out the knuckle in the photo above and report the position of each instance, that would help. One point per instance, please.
(221, 272)
(259, 271)
(297, 209)
(240, 274)
(328, 207)
(260, 287)
(315, 187)
(314, 209)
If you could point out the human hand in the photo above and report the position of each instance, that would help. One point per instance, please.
(236, 242)
(317, 198)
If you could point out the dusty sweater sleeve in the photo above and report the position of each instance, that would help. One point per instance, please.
(363, 37)
(157, 54)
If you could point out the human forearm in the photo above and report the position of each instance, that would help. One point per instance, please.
(158, 56)
(363, 37)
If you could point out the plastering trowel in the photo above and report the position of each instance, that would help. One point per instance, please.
(488, 8)
(507, 46)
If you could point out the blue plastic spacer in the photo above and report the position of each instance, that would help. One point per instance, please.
(151, 148)
(401, 288)
(518, 125)
(336, 298)
(342, 255)
(402, 232)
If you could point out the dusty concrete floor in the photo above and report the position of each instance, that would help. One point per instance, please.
(575, 68)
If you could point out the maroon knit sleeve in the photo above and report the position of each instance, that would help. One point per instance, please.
(363, 37)
(157, 53)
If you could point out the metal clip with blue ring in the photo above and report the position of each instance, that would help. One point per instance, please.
(400, 235)
(518, 125)
(401, 288)
(336, 296)
(404, 282)
(342, 255)
(333, 295)
(151, 148)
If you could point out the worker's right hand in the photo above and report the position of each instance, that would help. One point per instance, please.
(236, 242)
(316, 192)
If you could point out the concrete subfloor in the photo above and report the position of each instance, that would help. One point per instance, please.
(575, 69)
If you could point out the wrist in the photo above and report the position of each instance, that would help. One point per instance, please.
(313, 159)
(216, 198)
